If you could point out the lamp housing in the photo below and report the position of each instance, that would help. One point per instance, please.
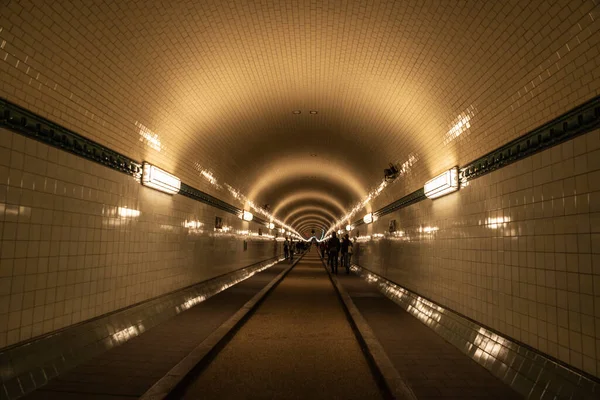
(156, 178)
(442, 184)
(247, 216)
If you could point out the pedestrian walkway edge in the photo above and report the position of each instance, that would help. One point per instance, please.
(210, 346)
(393, 381)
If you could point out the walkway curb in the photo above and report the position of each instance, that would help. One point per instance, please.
(395, 384)
(176, 375)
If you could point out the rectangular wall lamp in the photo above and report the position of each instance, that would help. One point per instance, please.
(247, 216)
(442, 184)
(156, 178)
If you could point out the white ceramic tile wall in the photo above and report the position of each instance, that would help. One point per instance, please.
(517, 250)
(68, 253)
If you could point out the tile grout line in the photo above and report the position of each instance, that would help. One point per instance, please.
(394, 383)
(209, 347)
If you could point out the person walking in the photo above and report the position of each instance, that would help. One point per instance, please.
(334, 248)
(286, 248)
(346, 244)
(350, 252)
(291, 251)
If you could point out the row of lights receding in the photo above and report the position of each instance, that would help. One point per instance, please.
(443, 184)
(160, 180)
(313, 112)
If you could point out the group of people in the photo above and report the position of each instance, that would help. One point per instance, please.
(290, 247)
(333, 247)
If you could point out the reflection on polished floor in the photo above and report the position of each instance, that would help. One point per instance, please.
(297, 344)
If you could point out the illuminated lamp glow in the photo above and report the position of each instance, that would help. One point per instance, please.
(442, 184)
(348, 227)
(271, 225)
(158, 179)
(247, 216)
(367, 219)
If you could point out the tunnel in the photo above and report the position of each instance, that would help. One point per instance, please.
(215, 199)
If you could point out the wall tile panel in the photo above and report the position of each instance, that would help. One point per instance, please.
(514, 250)
(80, 240)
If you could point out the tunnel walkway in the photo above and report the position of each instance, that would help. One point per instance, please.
(129, 370)
(432, 367)
(297, 344)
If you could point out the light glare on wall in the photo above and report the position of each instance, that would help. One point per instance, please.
(442, 184)
(367, 219)
(128, 212)
(348, 228)
(247, 216)
(158, 179)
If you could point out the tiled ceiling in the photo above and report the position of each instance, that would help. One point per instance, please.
(217, 83)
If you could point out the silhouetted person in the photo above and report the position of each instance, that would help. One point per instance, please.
(286, 249)
(322, 249)
(346, 244)
(334, 248)
(292, 251)
(350, 252)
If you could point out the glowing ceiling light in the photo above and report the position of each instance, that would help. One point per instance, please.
(158, 179)
(348, 228)
(247, 216)
(442, 184)
(271, 225)
(367, 219)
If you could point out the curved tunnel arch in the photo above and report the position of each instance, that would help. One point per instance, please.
(312, 225)
(308, 195)
(307, 229)
(305, 210)
(301, 218)
(311, 217)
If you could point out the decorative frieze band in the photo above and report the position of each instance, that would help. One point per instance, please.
(26, 123)
(578, 121)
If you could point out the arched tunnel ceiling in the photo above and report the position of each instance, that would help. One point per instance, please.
(213, 85)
